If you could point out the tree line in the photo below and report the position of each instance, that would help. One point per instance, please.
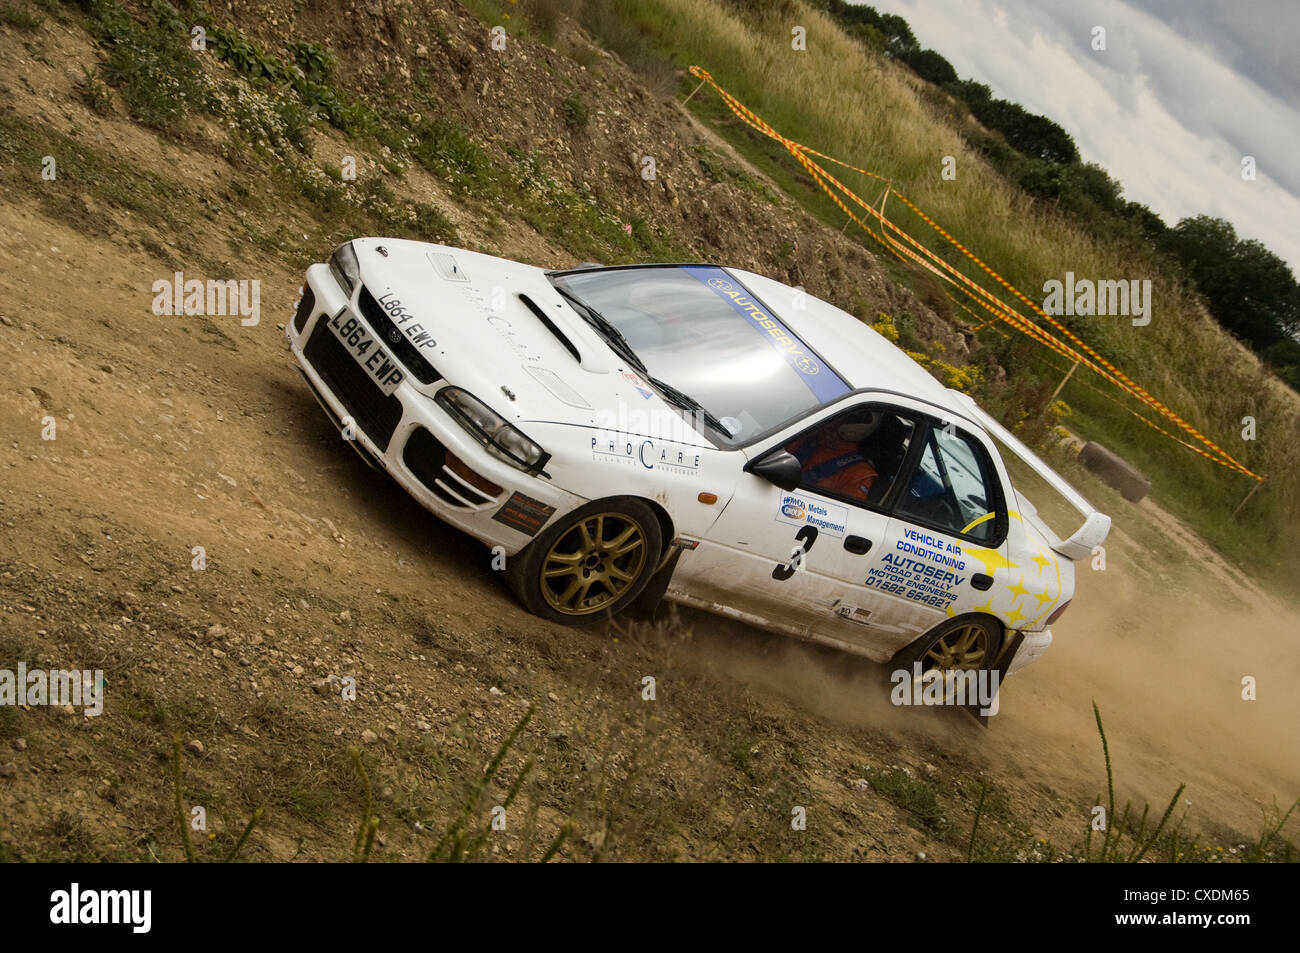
(1248, 289)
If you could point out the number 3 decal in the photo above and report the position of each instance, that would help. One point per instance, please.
(804, 540)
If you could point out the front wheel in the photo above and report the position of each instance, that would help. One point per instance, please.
(593, 562)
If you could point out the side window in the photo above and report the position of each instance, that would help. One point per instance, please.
(855, 456)
(951, 488)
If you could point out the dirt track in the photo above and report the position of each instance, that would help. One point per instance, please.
(171, 436)
(1169, 689)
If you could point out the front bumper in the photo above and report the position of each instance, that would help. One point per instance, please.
(410, 437)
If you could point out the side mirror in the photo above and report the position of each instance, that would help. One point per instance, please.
(782, 468)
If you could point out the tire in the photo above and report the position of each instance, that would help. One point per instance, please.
(950, 633)
(542, 580)
(1116, 471)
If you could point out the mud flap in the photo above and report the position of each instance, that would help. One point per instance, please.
(1004, 662)
(648, 601)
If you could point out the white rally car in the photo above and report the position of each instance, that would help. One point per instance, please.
(692, 432)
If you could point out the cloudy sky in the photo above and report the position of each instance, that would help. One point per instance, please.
(1183, 90)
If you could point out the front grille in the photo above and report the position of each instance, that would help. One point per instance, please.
(376, 414)
(395, 340)
(306, 305)
(426, 457)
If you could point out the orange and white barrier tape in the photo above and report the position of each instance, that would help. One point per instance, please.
(907, 247)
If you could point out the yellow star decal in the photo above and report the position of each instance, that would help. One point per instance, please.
(1043, 563)
(992, 559)
(1045, 596)
(987, 607)
(1018, 589)
(1014, 616)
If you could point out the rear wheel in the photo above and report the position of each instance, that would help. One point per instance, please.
(593, 562)
(969, 644)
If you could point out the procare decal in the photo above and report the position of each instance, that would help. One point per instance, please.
(644, 452)
(824, 383)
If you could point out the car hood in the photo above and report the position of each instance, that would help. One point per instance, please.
(501, 331)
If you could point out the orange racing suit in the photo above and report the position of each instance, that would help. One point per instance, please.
(835, 465)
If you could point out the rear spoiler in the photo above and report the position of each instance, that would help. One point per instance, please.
(1095, 525)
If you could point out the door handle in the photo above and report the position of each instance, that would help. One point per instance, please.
(857, 545)
(981, 581)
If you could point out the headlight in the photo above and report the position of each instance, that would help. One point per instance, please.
(344, 267)
(499, 437)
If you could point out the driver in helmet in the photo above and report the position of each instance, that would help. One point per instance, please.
(833, 460)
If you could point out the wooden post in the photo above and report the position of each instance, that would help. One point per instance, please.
(1060, 386)
(1253, 489)
(693, 92)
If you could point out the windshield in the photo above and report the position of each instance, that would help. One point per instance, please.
(697, 329)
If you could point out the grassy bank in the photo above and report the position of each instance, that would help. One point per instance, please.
(850, 103)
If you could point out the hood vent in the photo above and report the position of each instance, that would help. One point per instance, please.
(446, 266)
(555, 384)
(551, 326)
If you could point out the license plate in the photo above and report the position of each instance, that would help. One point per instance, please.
(367, 351)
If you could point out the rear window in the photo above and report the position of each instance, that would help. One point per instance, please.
(953, 488)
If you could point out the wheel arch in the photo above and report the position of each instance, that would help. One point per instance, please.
(521, 573)
(957, 620)
(666, 528)
(662, 516)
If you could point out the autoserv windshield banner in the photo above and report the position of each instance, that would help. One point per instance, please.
(824, 383)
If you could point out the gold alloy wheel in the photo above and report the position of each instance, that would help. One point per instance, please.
(965, 647)
(593, 564)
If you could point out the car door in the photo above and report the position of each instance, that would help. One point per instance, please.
(946, 543)
(798, 559)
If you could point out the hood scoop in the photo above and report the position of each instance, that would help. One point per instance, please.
(551, 326)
